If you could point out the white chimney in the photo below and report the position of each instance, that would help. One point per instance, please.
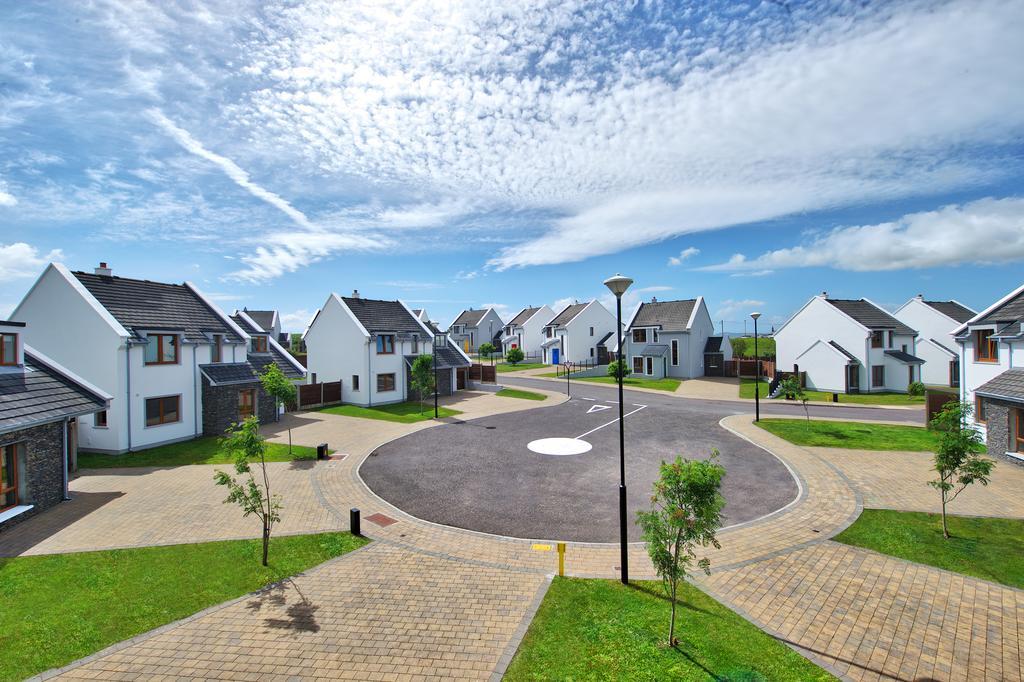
(355, 293)
(103, 270)
(824, 294)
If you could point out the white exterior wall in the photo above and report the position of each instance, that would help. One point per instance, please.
(701, 327)
(336, 347)
(897, 376)
(577, 341)
(530, 335)
(973, 374)
(817, 321)
(930, 324)
(830, 367)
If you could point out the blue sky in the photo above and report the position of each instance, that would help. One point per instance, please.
(510, 154)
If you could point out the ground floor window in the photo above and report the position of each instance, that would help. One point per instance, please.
(100, 420)
(246, 403)
(355, 382)
(675, 353)
(385, 383)
(164, 410)
(650, 366)
(954, 373)
(8, 476)
(638, 365)
(979, 411)
(878, 376)
(1018, 440)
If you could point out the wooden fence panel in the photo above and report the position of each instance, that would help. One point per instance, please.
(935, 400)
(478, 372)
(316, 395)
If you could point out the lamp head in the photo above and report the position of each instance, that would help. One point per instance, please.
(618, 284)
(755, 315)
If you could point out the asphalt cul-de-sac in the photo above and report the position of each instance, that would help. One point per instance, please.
(481, 475)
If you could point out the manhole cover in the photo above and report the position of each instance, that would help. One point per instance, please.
(559, 446)
(381, 520)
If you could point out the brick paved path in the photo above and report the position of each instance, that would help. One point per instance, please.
(434, 600)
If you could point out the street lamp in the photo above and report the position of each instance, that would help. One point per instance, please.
(757, 373)
(433, 350)
(618, 285)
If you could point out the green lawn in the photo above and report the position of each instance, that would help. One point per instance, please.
(901, 399)
(603, 630)
(516, 393)
(667, 384)
(986, 548)
(403, 413)
(859, 435)
(198, 451)
(61, 607)
(505, 367)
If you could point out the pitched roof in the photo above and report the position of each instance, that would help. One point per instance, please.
(471, 318)
(944, 347)
(383, 316)
(952, 309)
(141, 305)
(524, 315)
(870, 315)
(1010, 311)
(713, 344)
(654, 349)
(669, 316)
(904, 357)
(39, 392)
(447, 357)
(417, 311)
(246, 327)
(221, 373)
(567, 315)
(264, 318)
(605, 338)
(842, 350)
(1009, 384)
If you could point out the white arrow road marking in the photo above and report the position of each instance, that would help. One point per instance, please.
(590, 399)
(598, 408)
(609, 423)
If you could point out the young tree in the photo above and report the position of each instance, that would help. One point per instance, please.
(958, 459)
(487, 348)
(423, 377)
(244, 442)
(281, 389)
(514, 356)
(792, 388)
(686, 513)
(617, 368)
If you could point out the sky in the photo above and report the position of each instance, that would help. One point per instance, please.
(511, 154)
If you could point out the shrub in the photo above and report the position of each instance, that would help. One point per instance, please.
(915, 388)
(618, 368)
(514, 356)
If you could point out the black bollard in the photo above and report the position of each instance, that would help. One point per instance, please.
(353, 521)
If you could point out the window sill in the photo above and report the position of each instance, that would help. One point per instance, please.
(15, 511)
(1016, 455)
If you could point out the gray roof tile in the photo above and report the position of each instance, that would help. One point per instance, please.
(713, 344)
(870, 315)
(264, 318)
(39, 393)
(953, 310)
(524, 315)
(140, 305)
(1009, 384)
(383, 316)
(904, 357)
(470, 318)
(567, 315)
(246, 327)
(1011, 311)
(842, 350)
(669, 316)
(655, 349)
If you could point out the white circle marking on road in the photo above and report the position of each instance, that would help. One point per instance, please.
(559, 446)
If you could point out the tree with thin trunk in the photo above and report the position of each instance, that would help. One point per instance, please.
(244, 443)
(282, 390)
(487, 349)
(958, 459)
(686, 513)
(422, 377)
(793, 390)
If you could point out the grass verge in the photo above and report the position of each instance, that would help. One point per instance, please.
(987, 548)
(747, 387)
(667, 384)
(524, 395)
(505, 367)
(403, 413)
(858, 435)
(897, 399)
(61, 607)
(198, 451)
(601, 629)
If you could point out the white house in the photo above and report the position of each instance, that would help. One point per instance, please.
(992, 372)
(526, 331)
(141, 342)
(475, 327)
(369, 345)
(935, 322)
(575, 333)
(674, 339)
(270, 322)
(848, 346)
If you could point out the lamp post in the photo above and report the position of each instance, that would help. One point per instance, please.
(618, 285)
(757, 373)
(433, 350)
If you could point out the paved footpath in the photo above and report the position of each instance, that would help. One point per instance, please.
(429, 601)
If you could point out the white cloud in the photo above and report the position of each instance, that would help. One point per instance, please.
(984, 231)
(6, 198)
(504, 312)
(466, 275)
(408, 284)
(685, 254)
(279, 253)
(755, 273)
(20, 260)
(221, 297)
(730, 307)
(296, 320)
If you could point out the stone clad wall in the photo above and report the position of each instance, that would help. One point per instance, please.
(220, 406)
(41, 470)
(997, 429)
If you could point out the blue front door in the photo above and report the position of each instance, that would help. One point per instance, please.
(554, 356)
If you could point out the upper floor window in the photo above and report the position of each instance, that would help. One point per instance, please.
(591, 331)
(415, 344)
(986, 349)
(639, 336)
(258, 344)
(877, 339)
(8, 349)
(217, 353)
(549, 331)
(440, 341)
(385, 344)
(162, 349)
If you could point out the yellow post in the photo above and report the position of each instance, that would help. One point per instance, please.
(561, 559)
